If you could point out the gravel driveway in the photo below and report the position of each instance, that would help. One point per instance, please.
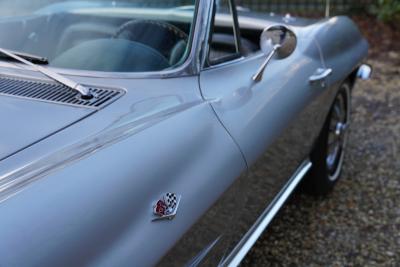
(359, 223)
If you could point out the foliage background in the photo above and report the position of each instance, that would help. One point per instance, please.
(388, 11)
(385, 10)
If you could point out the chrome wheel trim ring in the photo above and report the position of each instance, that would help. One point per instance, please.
(338, 133)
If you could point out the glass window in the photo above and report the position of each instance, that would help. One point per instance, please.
(223, 45)
(102, 35)
(250, 27)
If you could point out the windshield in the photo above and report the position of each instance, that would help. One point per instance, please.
(111, 36)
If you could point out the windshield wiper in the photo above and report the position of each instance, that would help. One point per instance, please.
(32, 58)
(83, 91)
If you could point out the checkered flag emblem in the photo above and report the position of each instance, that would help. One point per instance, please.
(170, 200)
(166, 206)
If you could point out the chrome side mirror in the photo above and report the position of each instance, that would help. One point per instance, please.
(276, 41)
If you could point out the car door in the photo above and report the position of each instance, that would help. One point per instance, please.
(274, 121)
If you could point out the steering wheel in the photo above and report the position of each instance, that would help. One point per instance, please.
(166, 38)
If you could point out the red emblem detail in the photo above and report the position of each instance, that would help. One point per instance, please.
(166, 206)
(160, 208)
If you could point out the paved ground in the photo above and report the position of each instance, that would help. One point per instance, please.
(359, 223)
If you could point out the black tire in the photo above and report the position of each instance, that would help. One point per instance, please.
(328, 154)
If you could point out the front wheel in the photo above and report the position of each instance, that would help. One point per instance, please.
(328, 154)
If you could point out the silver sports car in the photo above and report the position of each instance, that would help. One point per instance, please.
(137, 133)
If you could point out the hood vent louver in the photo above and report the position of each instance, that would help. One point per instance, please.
(56, 93)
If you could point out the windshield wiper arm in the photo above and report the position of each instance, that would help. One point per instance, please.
(83, 91)
(32, 58)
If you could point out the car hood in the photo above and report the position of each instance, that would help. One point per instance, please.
(25, 122)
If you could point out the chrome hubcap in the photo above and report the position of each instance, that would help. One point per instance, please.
(337, 137)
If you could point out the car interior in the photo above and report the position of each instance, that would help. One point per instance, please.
(223, 45)
(113, 41)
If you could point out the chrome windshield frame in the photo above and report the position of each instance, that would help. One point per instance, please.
(190, 67)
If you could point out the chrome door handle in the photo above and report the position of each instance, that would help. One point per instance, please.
(320, 75)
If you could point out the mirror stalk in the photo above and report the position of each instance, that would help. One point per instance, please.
(258, 76)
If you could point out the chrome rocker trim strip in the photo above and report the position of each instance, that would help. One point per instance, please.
(250, 238)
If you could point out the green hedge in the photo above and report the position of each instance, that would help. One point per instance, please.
(307, 7)
(388, 11)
